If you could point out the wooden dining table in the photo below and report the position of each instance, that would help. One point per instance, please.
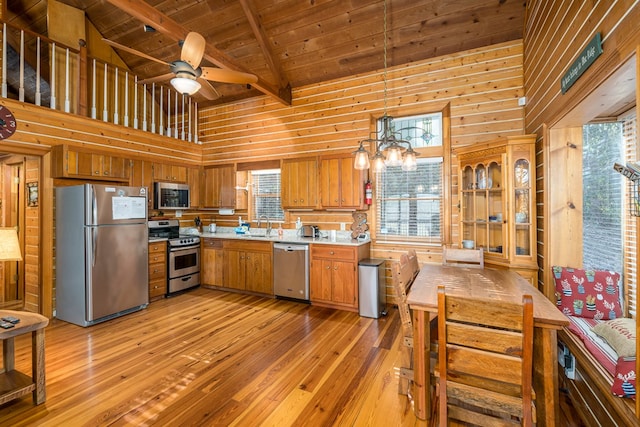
(486, 283)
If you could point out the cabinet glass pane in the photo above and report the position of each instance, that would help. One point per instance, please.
(495, 238)
(523, 245)
(467, 178)
(481, 177)
(495, 176)
(522, 206)
(521, 175)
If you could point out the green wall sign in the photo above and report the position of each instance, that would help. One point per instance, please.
(582, 62)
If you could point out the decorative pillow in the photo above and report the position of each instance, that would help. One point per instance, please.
(588, 293)
(624, 382)
(620, 334)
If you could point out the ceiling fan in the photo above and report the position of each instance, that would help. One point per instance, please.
(187, 77)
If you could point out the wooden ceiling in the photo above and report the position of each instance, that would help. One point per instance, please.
(289, 43)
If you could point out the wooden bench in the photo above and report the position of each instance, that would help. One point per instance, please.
(590, 391)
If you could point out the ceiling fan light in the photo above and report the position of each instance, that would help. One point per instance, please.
(185, 86)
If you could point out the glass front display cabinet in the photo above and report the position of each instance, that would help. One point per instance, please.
(497, 202)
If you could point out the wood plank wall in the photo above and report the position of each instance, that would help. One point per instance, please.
(480, 87)
(555, 33)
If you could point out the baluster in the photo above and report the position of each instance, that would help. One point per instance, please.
(175, 113)
(195, 123)
(21, 83)
(168, 112)
(160, 115)
(144, 107)
(115, 100)
(189, 121)
(52, 82)
(105, 116)
(153, 107)
(135, 102)
(38, 98)
(4, 60)
(94, 85)
(67, 101)
(126, 99)
(182, 121)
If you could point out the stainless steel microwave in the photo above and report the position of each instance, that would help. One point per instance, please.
(169, 195)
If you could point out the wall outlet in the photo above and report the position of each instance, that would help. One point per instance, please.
(178, 214)
(343, 226)
(522, 101)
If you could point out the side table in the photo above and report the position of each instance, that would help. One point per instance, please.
(15, 384)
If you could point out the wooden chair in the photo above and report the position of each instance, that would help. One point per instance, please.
(402, 278)
(413, 260)
(485, 361)
(463, 257)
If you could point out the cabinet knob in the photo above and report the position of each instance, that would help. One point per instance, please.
(328, 268)
(335, 268)
(301, 200)
(331, 252)
(106, 173)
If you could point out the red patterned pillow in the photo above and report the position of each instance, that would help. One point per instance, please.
(624, 383)
(588, 293)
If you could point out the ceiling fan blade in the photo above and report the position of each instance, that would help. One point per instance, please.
(193, 49)
(207, 90)
(227, 76)
(156, 79)
(133, 51)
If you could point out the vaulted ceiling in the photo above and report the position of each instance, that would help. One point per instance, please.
(289, 43)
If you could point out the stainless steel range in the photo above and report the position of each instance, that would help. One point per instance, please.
(183, 260)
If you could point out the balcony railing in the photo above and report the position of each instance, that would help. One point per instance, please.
(40, 71)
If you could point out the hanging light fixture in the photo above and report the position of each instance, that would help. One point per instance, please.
(398, 151)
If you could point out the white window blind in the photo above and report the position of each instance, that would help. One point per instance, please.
(609, 231)
(266, 194)
(630, 233)
(409, 203)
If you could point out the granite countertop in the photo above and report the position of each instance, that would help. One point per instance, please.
(289, 236)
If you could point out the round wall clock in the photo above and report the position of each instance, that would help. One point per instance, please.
(7, 123)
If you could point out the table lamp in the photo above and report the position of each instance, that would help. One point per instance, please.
(9, 245)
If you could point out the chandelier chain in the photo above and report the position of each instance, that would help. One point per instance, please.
(384, 46)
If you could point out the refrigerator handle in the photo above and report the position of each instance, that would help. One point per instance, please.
(94, 237)
(94, 207)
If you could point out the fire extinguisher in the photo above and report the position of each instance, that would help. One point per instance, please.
(368, 193)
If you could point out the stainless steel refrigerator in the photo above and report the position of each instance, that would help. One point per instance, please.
(101, 252)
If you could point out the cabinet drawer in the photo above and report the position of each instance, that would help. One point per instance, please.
(159, 257)
(247, 246)
(333, 252)
(212, 243)
(157, 247)
(157, 271)
(157, 288)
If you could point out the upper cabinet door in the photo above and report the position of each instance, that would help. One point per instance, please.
(342, 186)
(220, 187)
(299, 183)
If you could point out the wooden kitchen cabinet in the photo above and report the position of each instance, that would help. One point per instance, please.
(212, 268)
(157, 269)
(248, 266)
(341, 185)
(220, 187)
(83, 164)
(333, 280)
(299, 183)
(497, 202)
(142, 176)
(194, 178)
(169, 173)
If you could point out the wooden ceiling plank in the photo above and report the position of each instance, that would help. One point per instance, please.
(163, 23)
(258, 31)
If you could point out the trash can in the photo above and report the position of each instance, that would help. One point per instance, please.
(371, 288)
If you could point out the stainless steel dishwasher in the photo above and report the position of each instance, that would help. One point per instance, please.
(291, 271)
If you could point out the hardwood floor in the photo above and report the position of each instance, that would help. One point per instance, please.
(210, 358)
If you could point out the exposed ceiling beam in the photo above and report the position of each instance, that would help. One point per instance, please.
(167, 26)
(258, 31)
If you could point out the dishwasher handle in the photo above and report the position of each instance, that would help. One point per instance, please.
(290, 247)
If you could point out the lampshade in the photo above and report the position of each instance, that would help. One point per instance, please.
(185, 86)
(361, 161)
(9, 245)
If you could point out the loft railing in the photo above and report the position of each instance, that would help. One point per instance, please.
(40, 71)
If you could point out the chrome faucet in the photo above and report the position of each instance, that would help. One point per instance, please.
(268, 233)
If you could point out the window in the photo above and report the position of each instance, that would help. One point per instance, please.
(409, 203)
(266, 194)
(609, 231)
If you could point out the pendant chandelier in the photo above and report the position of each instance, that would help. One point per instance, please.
(390, 148)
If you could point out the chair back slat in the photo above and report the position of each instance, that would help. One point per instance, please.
(485, 358)
(456, 257)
